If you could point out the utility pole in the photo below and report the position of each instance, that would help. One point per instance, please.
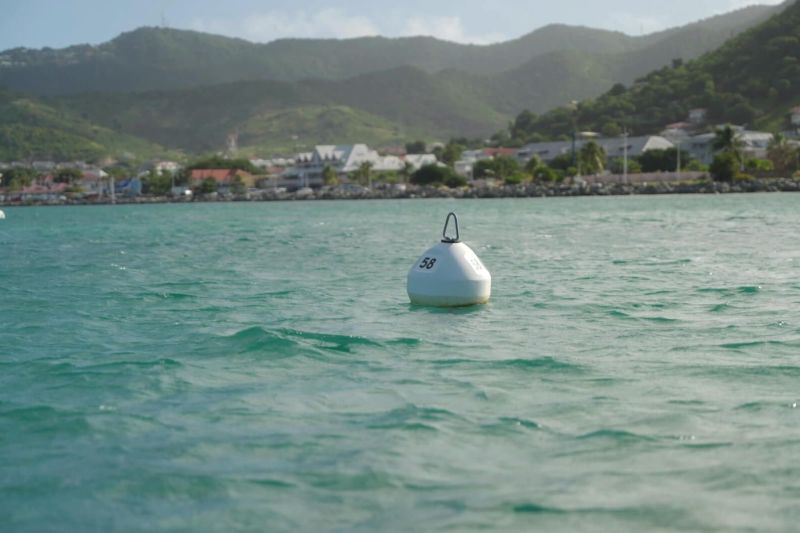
(573, 105)
(679, 158)
(625, 156)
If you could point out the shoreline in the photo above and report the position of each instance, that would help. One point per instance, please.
(527, 190)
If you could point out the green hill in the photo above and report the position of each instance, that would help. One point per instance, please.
(378, 108)
(754, 79)
(31, 129)
(188, 91)
(165, 59)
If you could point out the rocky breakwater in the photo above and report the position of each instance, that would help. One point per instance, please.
(543, 190)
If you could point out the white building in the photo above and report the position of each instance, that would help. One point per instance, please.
(417, 161)
(167, 166)
(614, 147)
(698, 116)
(795, 117)
(343, 159)
(754, 144)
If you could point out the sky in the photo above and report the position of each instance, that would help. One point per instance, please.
(60, 23)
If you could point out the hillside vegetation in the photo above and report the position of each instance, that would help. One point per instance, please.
(391, 106)
(165, 59)
(754, 79)
(31, 129)
(188, 91)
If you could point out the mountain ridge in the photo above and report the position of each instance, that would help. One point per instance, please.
(151, 58)
(389, 106)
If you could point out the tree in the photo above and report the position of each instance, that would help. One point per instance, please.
(592, 158)
(207, 186)
(329, 176)
(406, 171)
(617, 166)
(545, 173)
(451, 153)
(726, 139)
(237, 185)
(218, 162)
(157, 184)
(432, 175)
(783, 156)
(505, 166)
(363, 175)
(523, 125)
(416, 147)
(759, 165)
(533, 163)
(611, 129)
(17, 177)
(516, 178)
(661, 160)
(501, 167)
(561, 162)
(68, 175)
(724, 166)
(483, 169)
(455, 180)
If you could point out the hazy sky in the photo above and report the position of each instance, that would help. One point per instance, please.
(59, 23)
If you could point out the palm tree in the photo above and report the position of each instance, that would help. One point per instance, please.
(406, 171)
(782, 154)
(592, 158)
(329, 176)
(363, 174)
(726, 139)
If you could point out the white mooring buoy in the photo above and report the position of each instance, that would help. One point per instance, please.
(2, 215)
(449, 274)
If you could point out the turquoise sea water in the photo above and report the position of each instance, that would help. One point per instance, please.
(257, 367)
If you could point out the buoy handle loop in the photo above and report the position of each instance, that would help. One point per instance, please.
(445, 238)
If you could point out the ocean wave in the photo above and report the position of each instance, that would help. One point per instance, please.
(731, 291)
(506, 425)
(161, 363)
(548, 364)
(759, 344)
(44, 419)
(749, 371)
(361, 481)
(617, 435)
(616, 313)
(720, 308)
(287, 342)
(412, 418)
(535, 508)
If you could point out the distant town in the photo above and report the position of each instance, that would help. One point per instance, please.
(684, 152)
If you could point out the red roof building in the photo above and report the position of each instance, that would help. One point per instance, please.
(496, 152)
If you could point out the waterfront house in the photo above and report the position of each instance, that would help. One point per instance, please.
(417, 161)
(224, 177)
(754, 144)
(93, 181)
(166, 166)
(129, 187)
(614, 147)
(343, 159)
(42, 190)
(794, 117)
(698, 116)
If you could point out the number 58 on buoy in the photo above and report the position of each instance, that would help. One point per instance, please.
(449, 274)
